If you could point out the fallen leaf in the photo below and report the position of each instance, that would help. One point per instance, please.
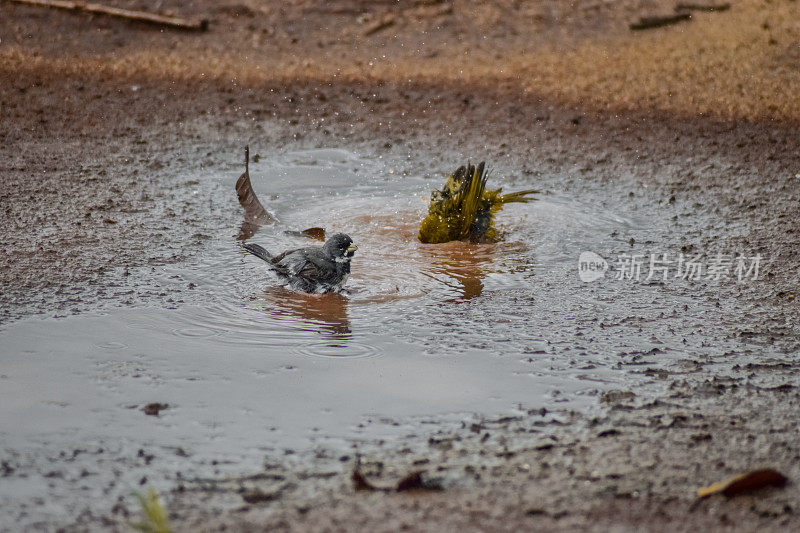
(258, 496)
(410, 482)
(741, 484)
(361, 482)
(254, 212)
(417, 481)
(152, 409)
(314, 233)
(413, 481)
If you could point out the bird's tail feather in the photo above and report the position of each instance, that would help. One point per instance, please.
(469, 196)
(519, 196)
(257, 251)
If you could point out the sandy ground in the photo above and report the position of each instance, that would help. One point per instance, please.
(704, 113)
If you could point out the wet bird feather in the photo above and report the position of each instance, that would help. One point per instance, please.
(464, 209)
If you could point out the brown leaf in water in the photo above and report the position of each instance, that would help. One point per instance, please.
(259, 496)
(413, 481)
(361, 483)
(417, 481)
(744, 483)
(314, 233)
(254, 212)
(152, 409)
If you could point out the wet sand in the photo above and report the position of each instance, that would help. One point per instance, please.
(103, 120)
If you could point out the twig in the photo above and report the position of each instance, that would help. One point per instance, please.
(382, 24)
(143, 16)
(702, 7)
(645, 23)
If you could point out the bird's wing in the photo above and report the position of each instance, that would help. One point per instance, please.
(300, 263)
(280, 258)
(313, 269)
(286, 263)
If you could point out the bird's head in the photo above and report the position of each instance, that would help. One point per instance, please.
(340, 246)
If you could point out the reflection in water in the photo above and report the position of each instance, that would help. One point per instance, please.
(392, 241)
(462, 262)
(328, 311)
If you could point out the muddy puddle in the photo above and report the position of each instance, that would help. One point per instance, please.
(423, 333)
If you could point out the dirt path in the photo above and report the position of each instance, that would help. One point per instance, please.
(101, 118)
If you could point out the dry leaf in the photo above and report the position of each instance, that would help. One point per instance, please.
(413, 481)
(417, 481)
(254, 212)
(314, 233)
(153, 409)
(259, 496)
(749, 482)
(361, 482)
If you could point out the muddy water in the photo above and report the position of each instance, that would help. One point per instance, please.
(423, 332)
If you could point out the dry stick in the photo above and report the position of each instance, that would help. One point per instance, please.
(143, 16)
(702, 7)
(382, 24)
(645, 23)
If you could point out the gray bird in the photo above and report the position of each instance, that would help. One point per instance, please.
(315, 268)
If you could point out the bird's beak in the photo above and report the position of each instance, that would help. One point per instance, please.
(352, 248)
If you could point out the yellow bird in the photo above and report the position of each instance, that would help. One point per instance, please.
(464, 209)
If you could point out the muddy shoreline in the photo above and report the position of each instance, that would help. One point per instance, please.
(94, 145)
